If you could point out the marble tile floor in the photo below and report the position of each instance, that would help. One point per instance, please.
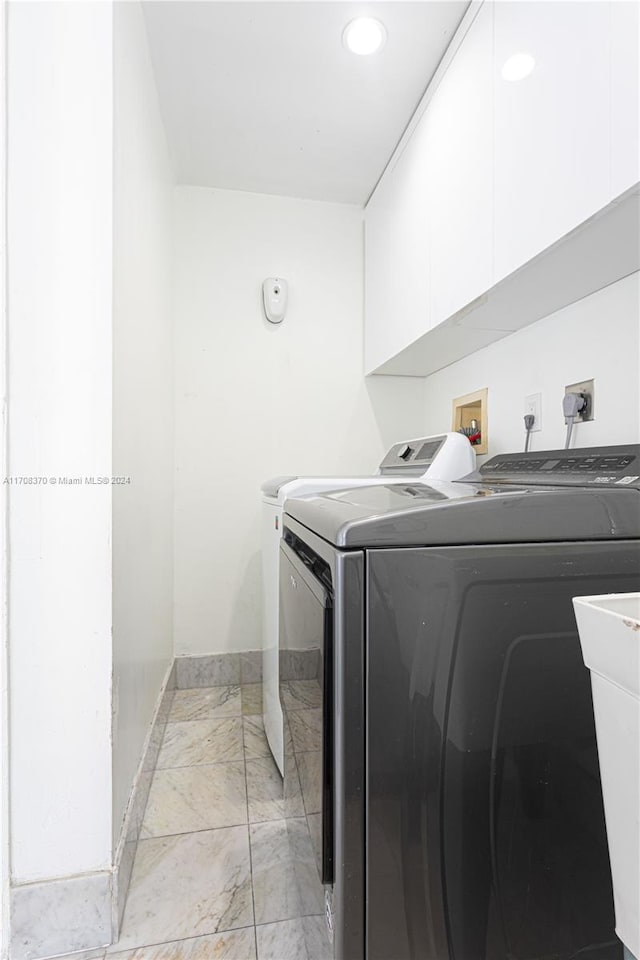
(224, 868)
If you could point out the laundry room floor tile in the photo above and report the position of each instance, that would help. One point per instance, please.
(275, 890)
(283, 940)
(301, 695)
(205, 704)
(301, 939)
(306, 729)
(201, 741)
(185, 799)
(283, 868)
(219, 835)
(231, 945)
(252, 698)
(265, 792)
(310, 773)
(85, 955)
(188, 885)
(255, 740)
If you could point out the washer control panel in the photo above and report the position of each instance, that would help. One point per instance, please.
(607, 466)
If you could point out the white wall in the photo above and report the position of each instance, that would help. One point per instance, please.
(59, 346)
(597, 337)
(142, 401)
(4, 566)
(255, 400)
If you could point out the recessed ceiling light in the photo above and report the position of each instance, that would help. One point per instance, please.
(364, 35)
(517, 67)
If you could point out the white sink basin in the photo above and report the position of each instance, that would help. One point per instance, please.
(609, 629)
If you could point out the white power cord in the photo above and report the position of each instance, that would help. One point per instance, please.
(572, 405)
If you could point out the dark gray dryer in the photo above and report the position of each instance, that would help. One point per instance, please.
(448, 761)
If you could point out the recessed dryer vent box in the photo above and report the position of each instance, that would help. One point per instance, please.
(469, 411)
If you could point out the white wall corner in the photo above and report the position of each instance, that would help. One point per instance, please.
(142, 558)
(4, 726)
(59, 221)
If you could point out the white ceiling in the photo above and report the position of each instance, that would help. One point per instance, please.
(262, 96)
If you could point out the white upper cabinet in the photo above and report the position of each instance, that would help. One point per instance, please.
(625, 96)
(379, 334)
(486, 220)
(397, 257)
(459, 172)
(552, 141)
(431, 212)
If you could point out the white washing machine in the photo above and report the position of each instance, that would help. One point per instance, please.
(449, 456)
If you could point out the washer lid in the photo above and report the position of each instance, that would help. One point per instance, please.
(271, 487)
(446, 457)
(282, 487)
(461, 513)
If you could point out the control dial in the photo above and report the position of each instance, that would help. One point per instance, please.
(405, 452)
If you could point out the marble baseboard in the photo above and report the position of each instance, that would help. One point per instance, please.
(251, 666)
(132, 823)
(219, 669)
(66, 915)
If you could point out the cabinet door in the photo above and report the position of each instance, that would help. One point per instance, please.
(625, 100)
(552, 127)
(459, 172)
(396, 258)
(377, 277)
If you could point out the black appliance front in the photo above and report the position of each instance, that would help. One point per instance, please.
(485, 827)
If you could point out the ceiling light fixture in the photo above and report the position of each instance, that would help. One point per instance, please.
(364, 36)
(517, 67)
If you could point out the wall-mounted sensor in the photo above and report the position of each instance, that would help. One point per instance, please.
(274, 298)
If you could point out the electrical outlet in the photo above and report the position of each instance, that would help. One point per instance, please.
(533, 405)
(586, 388)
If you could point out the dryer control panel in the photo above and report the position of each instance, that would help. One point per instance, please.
(605, 466)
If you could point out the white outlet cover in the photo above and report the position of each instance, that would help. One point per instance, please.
(533, 404)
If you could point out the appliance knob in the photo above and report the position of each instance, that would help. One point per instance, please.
(405, 452)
